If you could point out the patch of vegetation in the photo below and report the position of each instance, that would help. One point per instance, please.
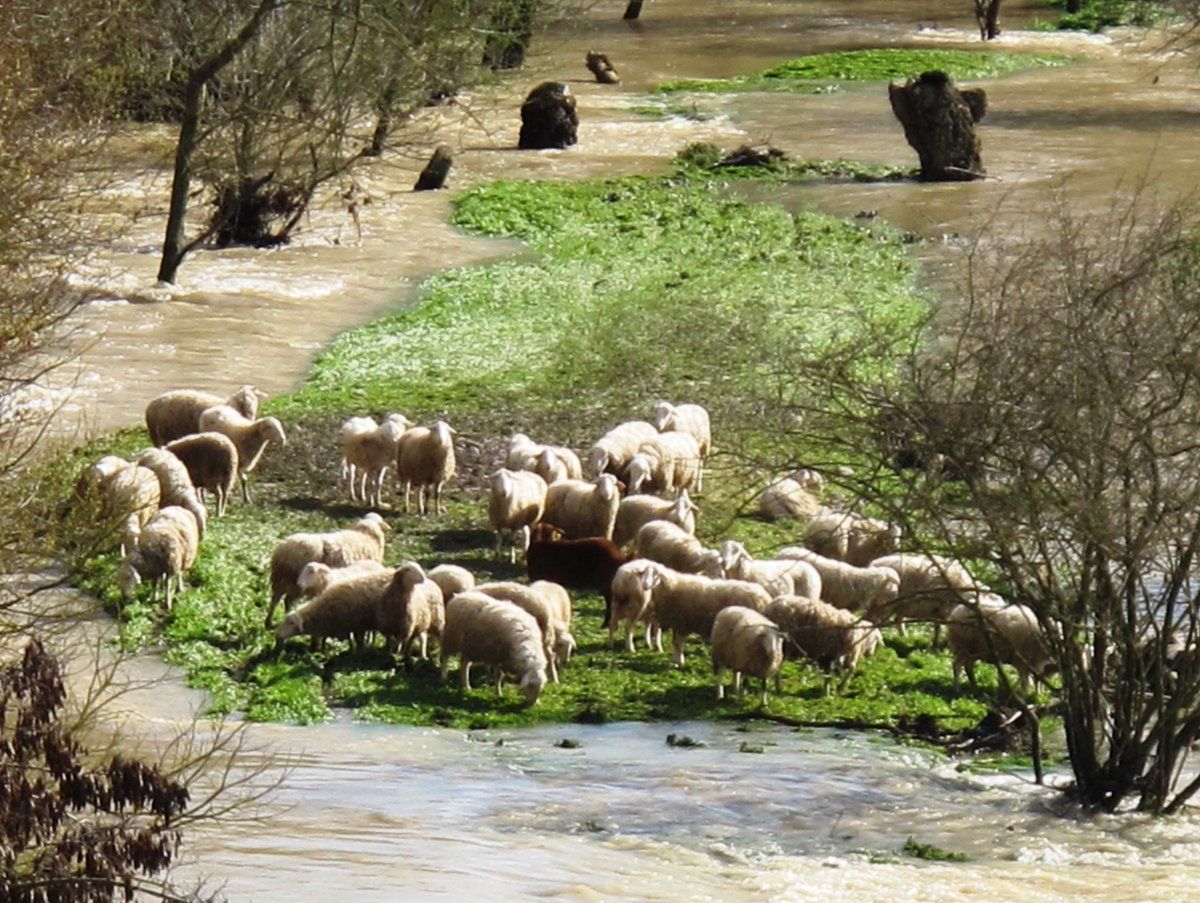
(931, 853)
(1101, 14)
(823, 72)
(657, 108)
(702, 160)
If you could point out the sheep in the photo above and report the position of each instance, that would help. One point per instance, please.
(836, 639)
(425, 458)
(638, 510)
(516, 503)
(668, 462)
(482, 629)
(582, 509)
(846, 586)
(793, 496)
(316, 576)
(553, 467)
(542, 609)
(166, 548)
(452, 579)
(368, 449)
(131, 496)
(930, 587)
(993, 631)
(746, 642)
(779, 577)
(686, 418)
(632, 604)
(211, 460)
(174, 415)
(364, 539)
(560, 603)
(250, 436)
(574, 563)
(95, 477)
(174, 483)
(345, 610)
(850, 538)
(410, 608)
(687, 603)
(669, 544)
(612, 451)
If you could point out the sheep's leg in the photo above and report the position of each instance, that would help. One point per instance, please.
(778, 683)
(437, 493)
(658, 632)
(737, 683)
(421, 500)
(220, 501)
(499, 681)
(629, 645)
(720, 683)
(444, 665)
(407, 487)
(845, 681)
(525, 540)
(464, 673)
(937, 632)
(764, 692)
(168, 591)
(551, 666)
(677, 641)
(245, 478)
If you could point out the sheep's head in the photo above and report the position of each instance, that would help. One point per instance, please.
(564, 645)
(732, 552)
(708, 563)
(272, 430)
(518, 442)
(532, 683)
(501, 481)
(245, 401)
(408, 575)
(664, 416)
(314, 578)
(652, 576)
(630, 596)
(128, 579)
(551, 467)
(546, 532)
(638, 472)
(373, 521)
(444, 434)
(809, 480)
(886, 589)
(597, 461)
(606, 487)
(292, 625)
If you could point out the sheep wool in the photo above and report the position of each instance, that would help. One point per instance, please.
(346, 610)
(746, 642)
(582, 509)
(452, 579)
(837, 640)
(996, 632)
(211, 460)
(612, 451)
(669, 544)
(411, 607)
(845, 586)
(637, 510)
(174, 415)
(174, 483)
(425, 459)
(687, 418)
(516, 503)
(250, 436)
(484, 630)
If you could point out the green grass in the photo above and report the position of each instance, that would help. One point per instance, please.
(931, 853)
(1101, 14)
(823, 72)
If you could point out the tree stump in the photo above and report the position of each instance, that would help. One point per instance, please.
(548, 118)
(939, 123)
(433, 176)
(600, 67)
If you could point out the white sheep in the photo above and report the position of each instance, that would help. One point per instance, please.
(211, 460)
(316, 576)
(425, 459)
(345, 610)
(95, 477)
(846, 586)
(250, 436)
(833, 638)
(746, 642)
(792, 496)
(687, 418)
(612, 451)
(410, 608)
(517, 502)
(174, 415)
(778, 577)
(850, 538)
(166, 549)
(669, 544)
(131, 497)
(582, 509)
(552, 467)
(550, 462)
(632, 605)
(368, 450)
(670, 462)
(993, 631)
(452, 579)
(560, 603)
(174, 483)
(484, 630)
(543, 609)
(363, 540)
(930, 587)
(636, 511)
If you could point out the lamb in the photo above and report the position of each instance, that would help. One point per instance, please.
(793, 496)
(482, 629)
(174, 483)
(345, 610)
(668, 462)
(746, 642)
(846, 586)
(930, 588)
(516, 503)
(364, 539)
(368, 450)
(560, 603)
(543, 611)
(669, 544)
(410, 608)
(452, 579)
(582, 509)
(250, 436)
(638, 510)
(632, 604)
(994, 631)
(425, 458)
(687, 603)
(166, 548)
(612, 451)
(779, 578)
(837, 640)
(849, 538)
(574, 563)
(174, 415)
(211, 460)
(131, 496)
(316, 576)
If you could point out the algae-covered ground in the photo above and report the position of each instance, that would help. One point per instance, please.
(634, 289)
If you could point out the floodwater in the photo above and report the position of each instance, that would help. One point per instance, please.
(383, 813)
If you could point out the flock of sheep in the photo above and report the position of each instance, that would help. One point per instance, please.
(614, 533)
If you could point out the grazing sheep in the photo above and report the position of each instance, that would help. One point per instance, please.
(174, 415)
(166, 548)
(560, 603)
(250, 436)
(425, 458)
(686, 418)
(637, 510)
(612, 451)
(516, 503)
(410, 608)
(669, 544)
(174, 483)
(368, 449)
(846, 586)
(524, 454)
(95, 477)
(996, 632)
(687, 603)
(543, 611)
(363, 540)
(930, 587)
(482, 629)
(574, 563)
(316, 576)
(582, 509)
(668, 462)
(632, 604)
(452, 579)
(793, 496)
(211, 460)
(837, 640)
(779, 578)
(131, 496)
(746, 642)
(345, 610)
(850, 538)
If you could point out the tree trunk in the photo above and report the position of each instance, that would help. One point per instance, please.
(987, 15)
(173, 245)
(383, 122)
(633, 10)
(548, 118)
(433, 176)
(1074, 6)
(939, 123)
(511, 30)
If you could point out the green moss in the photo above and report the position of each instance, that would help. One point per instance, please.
(930, 853)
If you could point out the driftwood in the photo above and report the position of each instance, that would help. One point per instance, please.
(548, 118)
(433, 176)
(598, 64)
(939, 123)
